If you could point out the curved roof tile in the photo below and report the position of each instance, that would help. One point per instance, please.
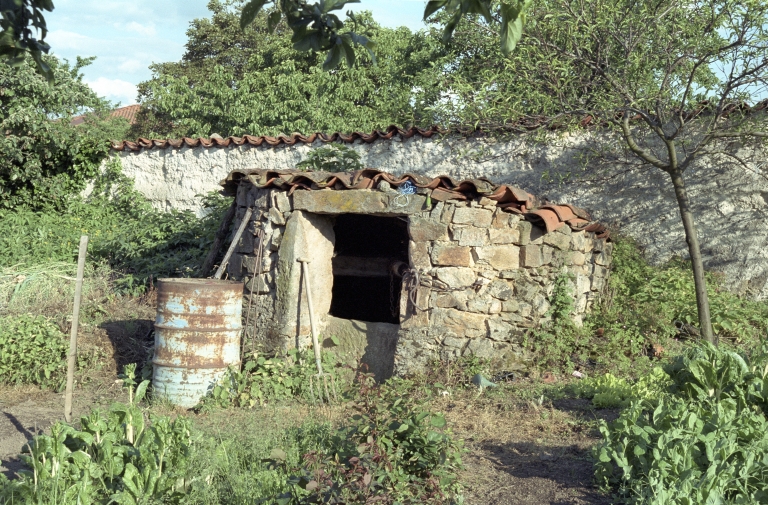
(442, 188)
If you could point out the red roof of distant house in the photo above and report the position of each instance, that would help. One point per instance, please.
(128, 112)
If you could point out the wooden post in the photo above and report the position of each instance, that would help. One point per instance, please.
(72, 356)
(218, 239)
(233, 245)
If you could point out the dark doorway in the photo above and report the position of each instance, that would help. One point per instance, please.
(364, 287)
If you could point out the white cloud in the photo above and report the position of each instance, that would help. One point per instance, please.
(115, 90)
(132, 66)
(146, 30)
(66, 40)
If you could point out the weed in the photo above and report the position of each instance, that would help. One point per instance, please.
(32, 351)
(264, 380)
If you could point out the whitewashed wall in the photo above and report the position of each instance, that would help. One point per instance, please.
(729, 201)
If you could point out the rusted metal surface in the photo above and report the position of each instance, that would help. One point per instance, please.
(197, 336)
(443, 188)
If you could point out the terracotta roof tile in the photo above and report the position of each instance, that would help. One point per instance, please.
(287, 140)
(443, 188)
(129, 112)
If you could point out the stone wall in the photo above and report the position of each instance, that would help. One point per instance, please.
(730, 202)
(486, 275)
(489, 277)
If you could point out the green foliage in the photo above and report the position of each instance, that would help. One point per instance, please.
(43, 159)
(115, 457)
(264, 380)
(32, 351)
(20, 19)
(609, 391)
(235, 82)
(395, 451)
(704, 442)
(124, 229)
(334, 158)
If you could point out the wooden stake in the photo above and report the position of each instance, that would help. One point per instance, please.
(233, 245)
(72, 356)
(221, 234)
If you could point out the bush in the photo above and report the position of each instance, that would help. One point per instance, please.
(124, 230)
(706, 441)
(32, 351)
(263, 380)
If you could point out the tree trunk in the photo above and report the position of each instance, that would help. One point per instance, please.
(692, 237)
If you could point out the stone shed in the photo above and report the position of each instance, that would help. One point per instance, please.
(406, 269)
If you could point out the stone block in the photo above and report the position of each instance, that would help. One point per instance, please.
(583, 284)
(510, 306)
(283, 202)
(437, 211)
(499, 330)
(422, 229)
(577, 258)
(482, 348)
(547, 253)
(530, 234)
(463, 324)
(479, 305)
(525, 309)
(601, 258)
(454, 341)
(242, 194)
(451, 255)
(494, 307)
(419, 255)
(481, 218)
(486, 202)
(500, 257)
(531, 257)
(277, 238)
(456, 277)
(470, 236)
(558, 240)
(357, 201)
(258, 198)
(276, 216)
(526, 289)
(540, 304)
(501, 290)
(500, 236)
(447, 215)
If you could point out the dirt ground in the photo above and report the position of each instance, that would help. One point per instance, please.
(519, 452)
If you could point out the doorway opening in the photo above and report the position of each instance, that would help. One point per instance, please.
(367, 247)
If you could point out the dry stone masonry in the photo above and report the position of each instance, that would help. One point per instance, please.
(477, 278)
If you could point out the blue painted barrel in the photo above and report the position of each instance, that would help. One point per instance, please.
(197, 336)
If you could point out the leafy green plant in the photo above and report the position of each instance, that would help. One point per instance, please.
(704, 442)
(334, 158)
(115, 457)
(264, 380)
(396, 452)
(609, 391)
(32, 351)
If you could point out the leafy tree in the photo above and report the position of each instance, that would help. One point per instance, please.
(44, 159)
(315, 27)
(670, 79)
(233, 82)
(17, 40)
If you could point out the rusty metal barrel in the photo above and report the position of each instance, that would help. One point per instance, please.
(197, 336)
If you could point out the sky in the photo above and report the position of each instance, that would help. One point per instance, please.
(127, 36)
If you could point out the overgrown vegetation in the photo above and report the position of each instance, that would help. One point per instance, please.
(647, 312)
(44, 160)
(264, 380)
(32, 351)
(702, 440)
(136, 240)
(333, 158)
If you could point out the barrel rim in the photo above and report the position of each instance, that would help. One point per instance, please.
(199, 282)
